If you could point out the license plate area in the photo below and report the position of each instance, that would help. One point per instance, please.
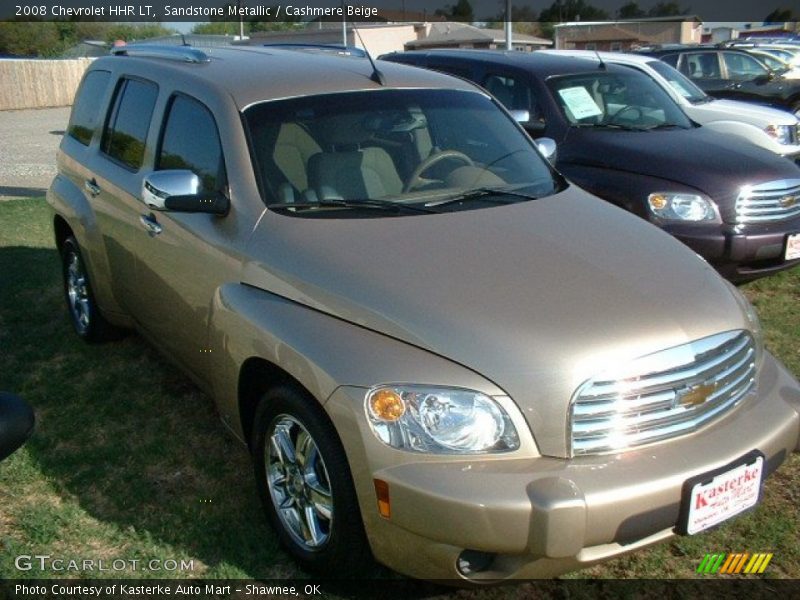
(792, 247)
(716, 496)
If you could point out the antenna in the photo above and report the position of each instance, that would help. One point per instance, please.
(602, 65)
(376, 76)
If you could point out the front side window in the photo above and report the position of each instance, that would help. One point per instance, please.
(615, 100)
(742, 67)
(408, 150)
(512, 92)
(679, 82)
(190, 140)
(125, 134)
(86, 114)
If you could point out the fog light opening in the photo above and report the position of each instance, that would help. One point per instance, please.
(473, 562)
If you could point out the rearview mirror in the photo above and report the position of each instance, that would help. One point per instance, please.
(547, 146)
(179, 190)
(16, 423)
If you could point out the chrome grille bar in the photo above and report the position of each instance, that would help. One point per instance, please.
(773, 201)
(642, 408)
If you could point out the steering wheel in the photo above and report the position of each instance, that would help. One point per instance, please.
(433, 159)
(627, 108)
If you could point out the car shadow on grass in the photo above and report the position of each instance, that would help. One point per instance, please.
(127, 438)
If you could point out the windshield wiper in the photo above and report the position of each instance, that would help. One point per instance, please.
(487, 194)
(360, 203)
(608, 126)
(663, 126)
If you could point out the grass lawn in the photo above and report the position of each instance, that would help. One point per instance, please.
(129, 460)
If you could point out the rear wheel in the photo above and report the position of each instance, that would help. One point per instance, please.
(84, 313)
(305, 486)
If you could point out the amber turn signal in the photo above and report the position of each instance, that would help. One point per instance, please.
(382, 492)
(387, 405)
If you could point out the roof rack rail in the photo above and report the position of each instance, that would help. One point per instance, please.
(178, 53)
(335, 48)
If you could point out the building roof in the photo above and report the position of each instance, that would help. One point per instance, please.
(606, 34)
(461, 33)
(676, 18)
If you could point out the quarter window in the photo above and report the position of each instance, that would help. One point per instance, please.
(126, 131)
(86, 113)
(190, 140)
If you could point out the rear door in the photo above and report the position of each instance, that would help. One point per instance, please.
(116, 180)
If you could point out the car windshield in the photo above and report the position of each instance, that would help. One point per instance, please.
(392, 152)
(616, 100)
(681, 84)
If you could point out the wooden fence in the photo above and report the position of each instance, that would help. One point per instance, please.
(39, 83)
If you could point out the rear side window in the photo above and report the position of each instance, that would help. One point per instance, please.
(190, 140)
(126, 130)
(86, 113)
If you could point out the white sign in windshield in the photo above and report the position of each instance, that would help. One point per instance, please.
(678, 87)
(579, 102)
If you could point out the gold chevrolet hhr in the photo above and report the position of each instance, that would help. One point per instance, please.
(440, 353)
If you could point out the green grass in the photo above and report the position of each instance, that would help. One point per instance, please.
(129, 460)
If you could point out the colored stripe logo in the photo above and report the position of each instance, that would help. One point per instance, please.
(736, 563)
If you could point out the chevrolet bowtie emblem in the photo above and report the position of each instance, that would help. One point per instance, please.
(694, 395)
(788, 201)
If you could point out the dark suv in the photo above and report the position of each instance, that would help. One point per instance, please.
(731, 73)
(621, 137)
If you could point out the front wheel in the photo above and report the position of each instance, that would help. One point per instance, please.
(305, 486)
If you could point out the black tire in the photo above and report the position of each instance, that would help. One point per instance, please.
(340, 548)
(84, 314)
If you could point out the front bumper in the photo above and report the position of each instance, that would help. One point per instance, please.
(739, 254)
(541, 516)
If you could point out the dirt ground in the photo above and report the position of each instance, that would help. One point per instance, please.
(28, 143)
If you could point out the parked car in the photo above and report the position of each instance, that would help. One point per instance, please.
(781, 66)
(438, 351)
(622, 138)
(732, 73)
(767, 127)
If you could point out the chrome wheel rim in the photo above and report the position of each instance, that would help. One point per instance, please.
(77, 293)
(298, 483)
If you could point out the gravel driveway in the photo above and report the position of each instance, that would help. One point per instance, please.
(28, 143)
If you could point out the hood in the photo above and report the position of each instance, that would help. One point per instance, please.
(536, 297)
(713, 163)
(734, 110)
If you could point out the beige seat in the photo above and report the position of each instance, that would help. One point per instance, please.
(294, 147)
(365, 173)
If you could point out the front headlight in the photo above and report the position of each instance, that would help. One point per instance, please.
(780, 133)
(439, 420)
(678, 206)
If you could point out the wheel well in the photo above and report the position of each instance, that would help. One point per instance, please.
(62, 231)
(255, 378)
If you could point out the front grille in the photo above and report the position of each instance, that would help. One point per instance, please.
(663, 395)
(773, 201)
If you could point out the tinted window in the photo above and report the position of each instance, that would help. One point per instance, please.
(742, 66)
(190, 141)
(700, 65)
(86, 112)
(451, 70)
(671, 59)
(513, 93)
(126, 132)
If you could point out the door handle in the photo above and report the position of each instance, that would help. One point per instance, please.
(150, 224)
(92, 187)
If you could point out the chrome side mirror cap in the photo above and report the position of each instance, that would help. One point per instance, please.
(160, 185)
(521, 116)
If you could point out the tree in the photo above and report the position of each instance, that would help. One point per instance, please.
(779, 15)
(571, 10)
(461, 11)
(666, 9)
(630, 10)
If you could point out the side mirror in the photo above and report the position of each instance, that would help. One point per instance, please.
(521, 116)
(179, 190)
(16, 423)
(764, 78)
(547, 146)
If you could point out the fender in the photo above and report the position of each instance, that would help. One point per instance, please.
(69, 202)
(752, 134)
(319, 351)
